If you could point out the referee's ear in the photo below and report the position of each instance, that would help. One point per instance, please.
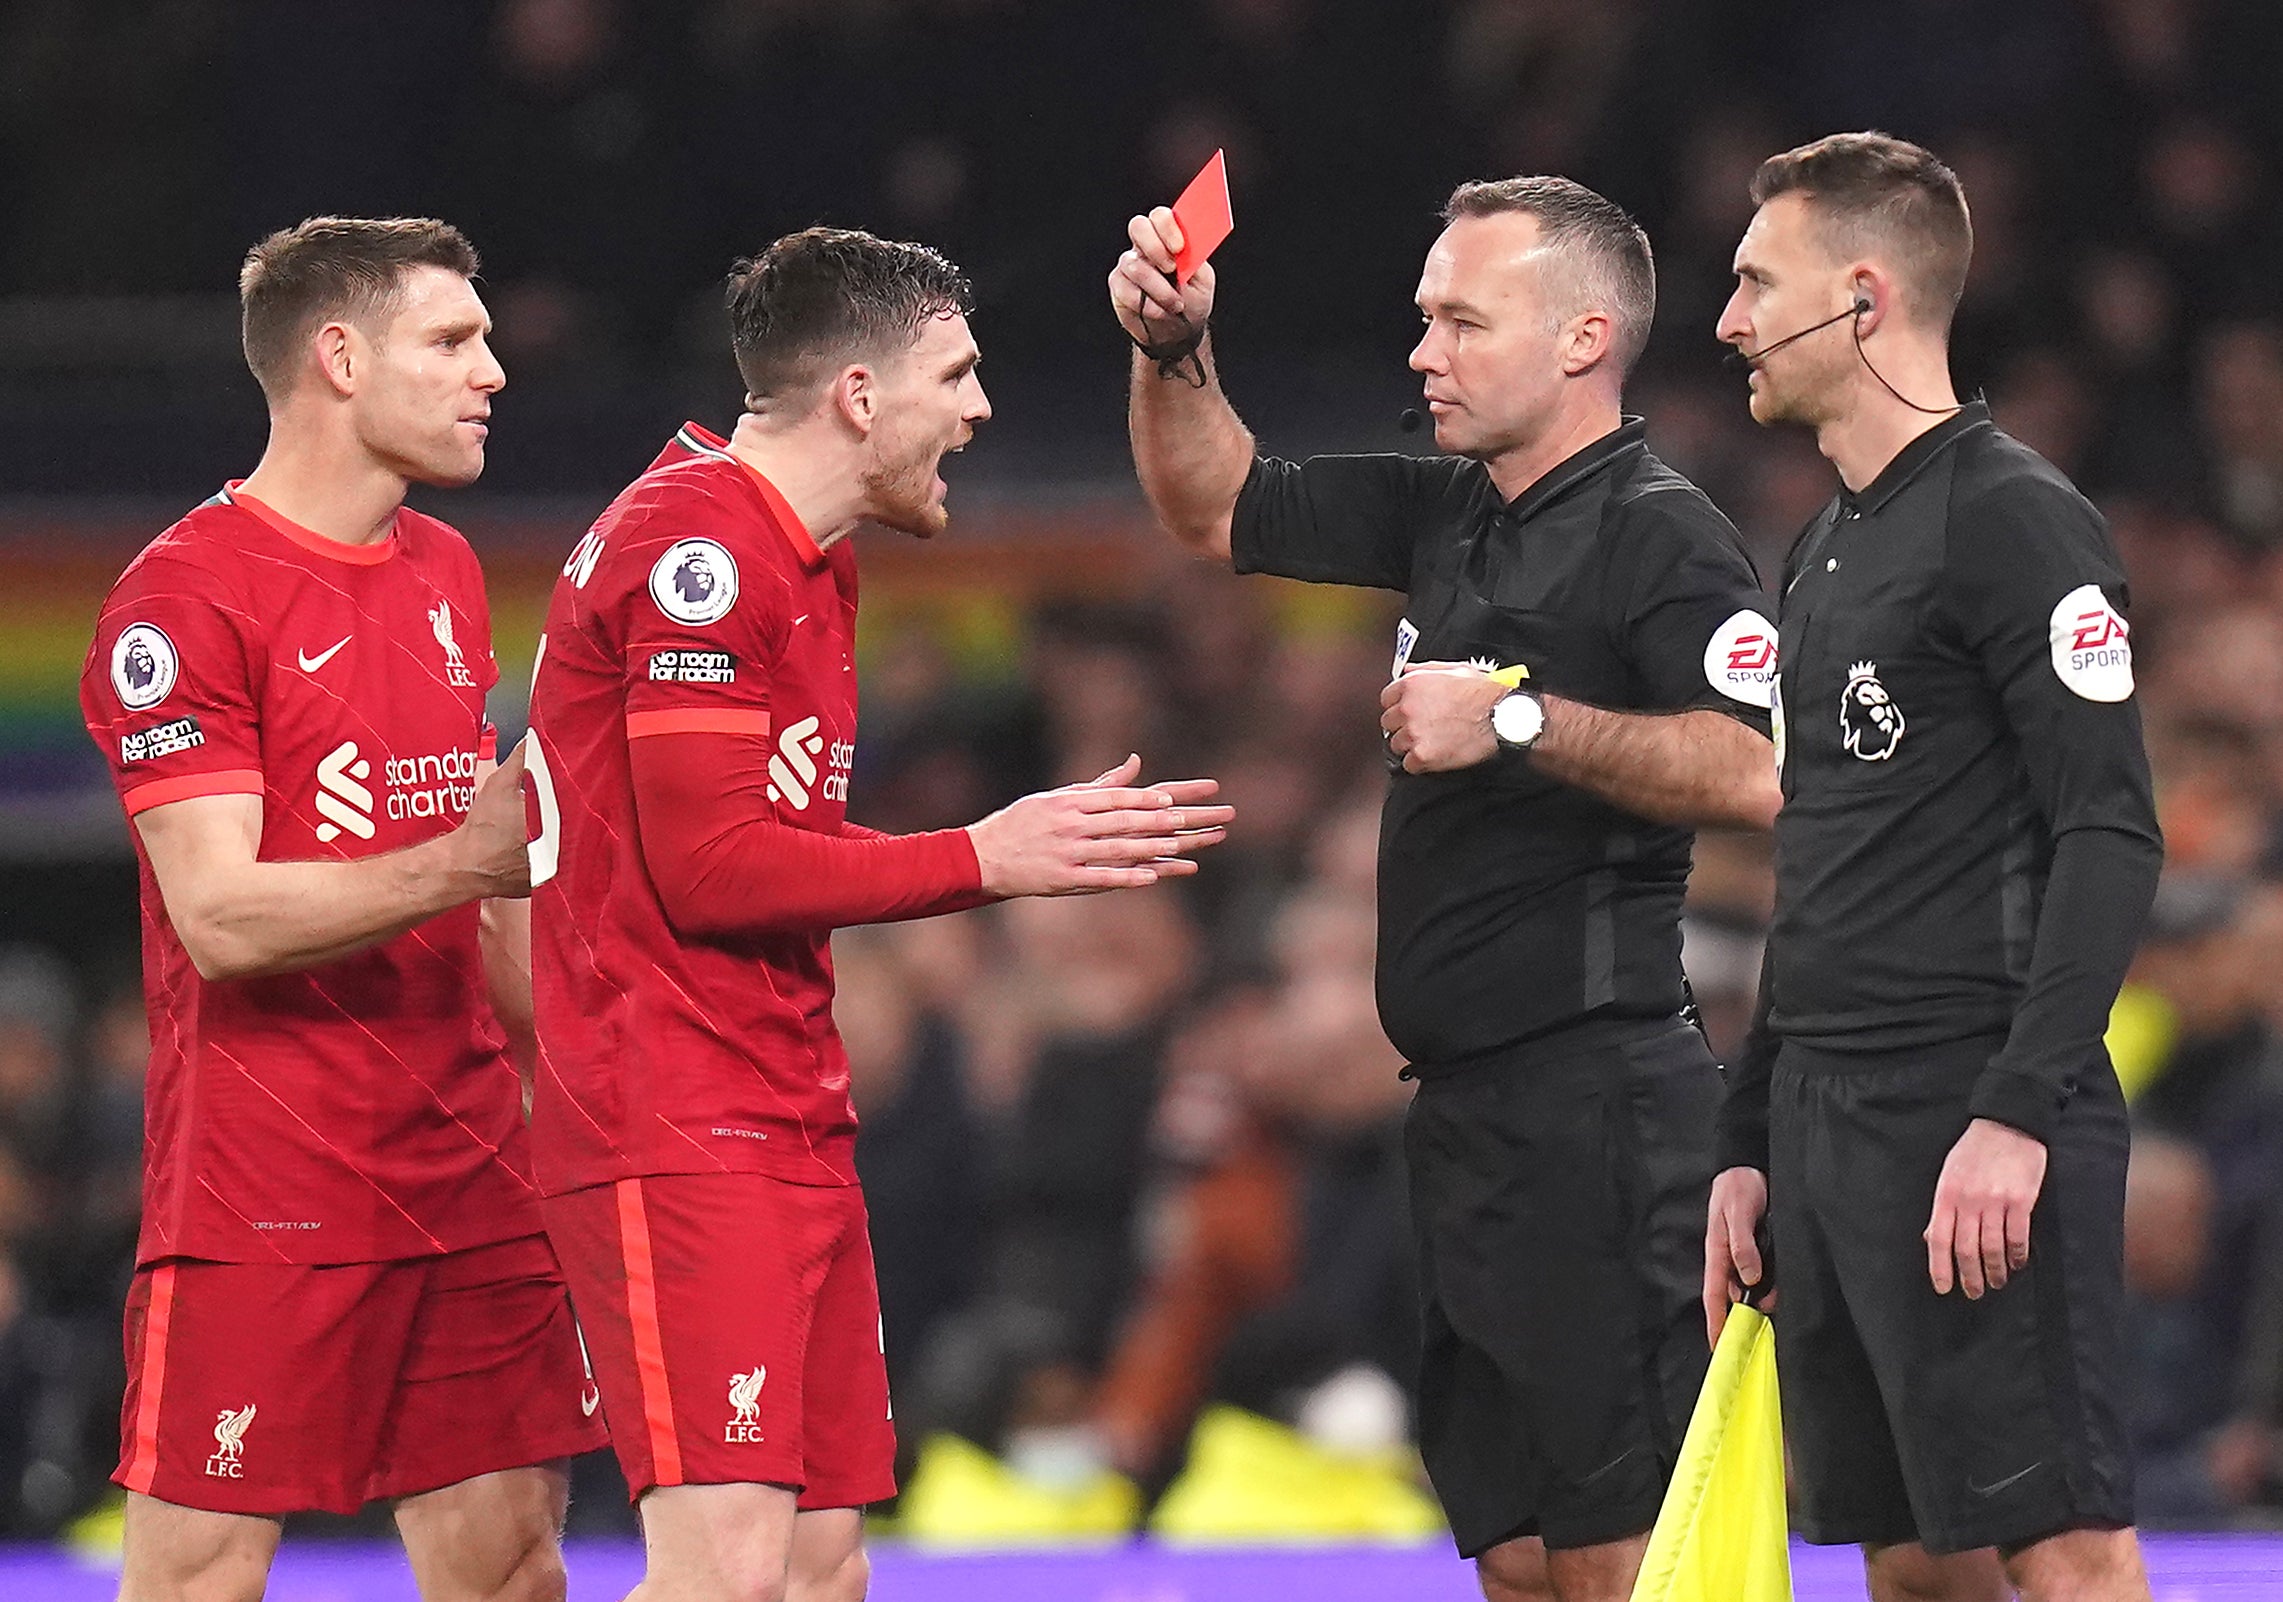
(1591, 342)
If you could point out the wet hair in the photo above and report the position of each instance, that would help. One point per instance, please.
(329, 269)
(1606, 253)
(817, 300)
(1874, 193)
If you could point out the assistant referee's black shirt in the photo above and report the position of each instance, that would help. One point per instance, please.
(1968, 841)
(1510, 905)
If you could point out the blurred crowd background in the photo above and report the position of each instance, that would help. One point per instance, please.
(1133, 1160)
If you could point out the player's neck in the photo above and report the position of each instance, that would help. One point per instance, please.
(331, 486)
(1573, 429)
(1874, 426)
(810, 472)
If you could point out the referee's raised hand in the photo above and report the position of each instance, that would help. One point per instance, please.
(1152, 307)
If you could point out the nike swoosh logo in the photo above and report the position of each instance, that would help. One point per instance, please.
(1992, 1490)
(1606, 1467)
(798, 621)
(589, 1400)
(310, 664)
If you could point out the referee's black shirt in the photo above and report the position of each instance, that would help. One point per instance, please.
(1968, 841)
(1511, 905)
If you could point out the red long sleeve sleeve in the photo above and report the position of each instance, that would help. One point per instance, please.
(723, 866)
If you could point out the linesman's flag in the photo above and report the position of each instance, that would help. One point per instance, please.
(1721, 1535)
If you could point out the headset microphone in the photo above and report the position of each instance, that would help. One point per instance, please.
(1409, 419)
(1741, 358)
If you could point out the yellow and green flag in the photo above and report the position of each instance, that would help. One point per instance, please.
(1722, 1535)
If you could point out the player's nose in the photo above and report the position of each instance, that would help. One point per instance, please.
(489, 377)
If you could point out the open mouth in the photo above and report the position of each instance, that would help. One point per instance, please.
(941, 488)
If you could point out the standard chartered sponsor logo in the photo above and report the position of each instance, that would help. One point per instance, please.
(793, 770)
(342, 800)
(435, 785)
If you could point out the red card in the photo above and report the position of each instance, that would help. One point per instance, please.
(1205, 217)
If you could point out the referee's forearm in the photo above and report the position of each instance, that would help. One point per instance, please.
(1694, 770)
(2096, 898)
(1191, 452)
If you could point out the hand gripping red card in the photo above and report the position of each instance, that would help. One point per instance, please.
(1205, 217)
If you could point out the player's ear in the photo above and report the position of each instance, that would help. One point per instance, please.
(340, 352)
(856, 392)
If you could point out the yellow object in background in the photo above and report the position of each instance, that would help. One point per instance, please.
(1722, 1535)
(961, 1496)
(2143, 1032)
(1251, 1481)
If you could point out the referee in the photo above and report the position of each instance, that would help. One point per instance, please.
(1581, 678)
(1965, 854)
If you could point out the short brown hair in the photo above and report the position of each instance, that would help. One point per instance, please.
(1614, 269)
(333, 268)
(825, 296)
(1872, 189)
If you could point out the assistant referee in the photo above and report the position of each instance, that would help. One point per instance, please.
(1966, 851)
(1581, 677)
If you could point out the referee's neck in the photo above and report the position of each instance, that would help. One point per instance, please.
(1872, 431)
(1575, 427)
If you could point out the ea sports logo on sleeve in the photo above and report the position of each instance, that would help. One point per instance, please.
(1740, 659)
(695, 581)
(2092, 645)
(143, 666)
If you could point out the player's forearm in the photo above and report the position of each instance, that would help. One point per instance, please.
(1690, 769)
(762, 878)
(1190, 451)
(260, 918)
(2096, 899)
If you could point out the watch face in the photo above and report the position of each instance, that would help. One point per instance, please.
(1518, 719)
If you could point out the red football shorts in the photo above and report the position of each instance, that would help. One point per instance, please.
(734, 1325)
(279, 1388)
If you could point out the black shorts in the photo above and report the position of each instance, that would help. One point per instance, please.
(1558, 1196)
(1917, 1417)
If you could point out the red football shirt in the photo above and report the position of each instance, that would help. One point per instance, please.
(697, 605)
(365, 1109)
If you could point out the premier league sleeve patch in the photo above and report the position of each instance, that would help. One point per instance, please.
(2092, 645)
(143, 666)
(694, 582)
(1740, 659)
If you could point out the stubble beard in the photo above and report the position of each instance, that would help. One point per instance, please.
(901, 496)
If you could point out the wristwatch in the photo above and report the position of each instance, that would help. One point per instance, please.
(1517, 720)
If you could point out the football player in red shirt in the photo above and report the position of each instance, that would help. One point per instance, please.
(693, 729)
(343, 1291)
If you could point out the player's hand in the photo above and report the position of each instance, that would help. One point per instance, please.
(1102, 835)
(491, 839)
(1436, 716)
(1732, 1246)
(1979, 1233)
(1142, 291)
